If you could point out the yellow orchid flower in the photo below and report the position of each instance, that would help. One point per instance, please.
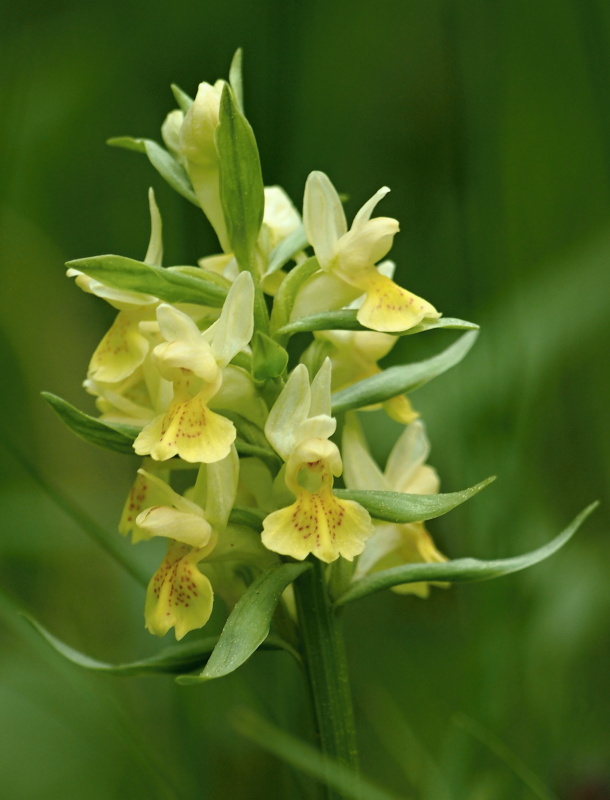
(179, 595)
(124, 347)
(298, 427)
(205, 555)
(393, 545)
(194, 361)
(349, 257)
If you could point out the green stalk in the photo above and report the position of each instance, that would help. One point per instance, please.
(325, 665)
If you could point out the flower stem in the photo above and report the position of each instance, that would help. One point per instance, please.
(326, 668)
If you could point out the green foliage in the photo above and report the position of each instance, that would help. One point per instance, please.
(112, 436)
(241, 180)
(173, 284)
(399, 380)
(462, 569)
(294, 243)
(345, 320)
(401, 507)
(165, 164)
(248, 624)
(269, 358)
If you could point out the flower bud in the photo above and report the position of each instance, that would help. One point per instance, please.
(198, 148)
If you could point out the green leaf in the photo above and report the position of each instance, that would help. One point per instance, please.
(204, 274)
(250, 517)
(182, 98)
(112, 436)
(284, 299)
(398, 380)
(269, 359)
(241, 180)
(176, 659)
(307, 759)
(294, 243)
(248, 624)
(172, 660)
(462, 569)
(345, 320)
(169, 284)
(236, 78)
(404, 508)
(165, 164)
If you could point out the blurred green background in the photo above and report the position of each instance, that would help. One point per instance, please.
(491, 124)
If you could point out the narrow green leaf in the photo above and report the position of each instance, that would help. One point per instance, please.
(345, 320)
(170, 284)
(248, 624)
(182, 98)
(250, 517)
(403, 508)
(172, 660)
(165, 164)
(247, 430)
(462, 569)
(241, 180)
(294, 243)
(307, 759)
(269, 359)
(204, 274)
(284, 299)
(236, 78)
(111, 436)
(127, 143)
(176, 659)
(398, 380)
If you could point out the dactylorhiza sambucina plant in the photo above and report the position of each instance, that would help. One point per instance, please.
(286, 516)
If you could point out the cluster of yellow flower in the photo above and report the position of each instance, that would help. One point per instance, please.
(214, 395)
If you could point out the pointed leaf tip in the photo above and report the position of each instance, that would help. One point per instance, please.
(463, 569)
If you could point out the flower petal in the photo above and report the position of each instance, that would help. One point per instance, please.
(364, 215)
(177, 326)
(318, 523)
(323, 217)
(121, 351)
(178, 594)
(143, 493)
(188, 429)
(322, 292)
(154, 254)
(360, 470)
(289, 411)
(407, 458)
(396, 545)
(320, 391)
(399, 408)
(388, 307)
(233, 329)
(191, 529)
(363, 247)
